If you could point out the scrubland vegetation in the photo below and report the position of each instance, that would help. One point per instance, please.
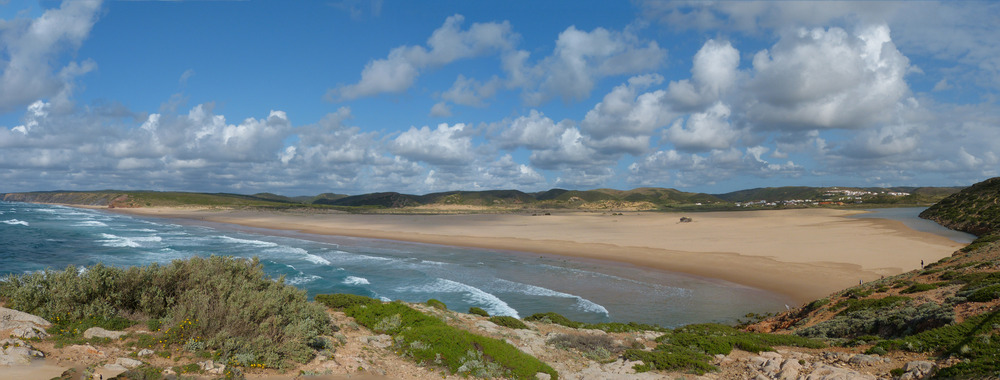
(226, 306)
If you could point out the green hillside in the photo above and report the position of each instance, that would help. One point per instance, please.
(975, 210)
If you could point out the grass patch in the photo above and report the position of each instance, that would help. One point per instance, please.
(228, 304)
(478, 311)
(690, 348)
(509, 322)
(430, 341)
(437, 304)
(343, 301)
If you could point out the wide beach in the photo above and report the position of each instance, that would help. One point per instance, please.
(804, 253)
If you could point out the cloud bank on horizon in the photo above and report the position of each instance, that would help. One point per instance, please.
(306, 98)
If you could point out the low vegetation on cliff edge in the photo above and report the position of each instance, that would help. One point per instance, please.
(950, 308)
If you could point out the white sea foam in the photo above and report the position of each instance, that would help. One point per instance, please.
(385, 299)
(316, 259)
(256, 243)
(90, 223)
(15, 222)
(582, 304)
(130, 242)
(351, 280)
(471, 294)
(302, 279)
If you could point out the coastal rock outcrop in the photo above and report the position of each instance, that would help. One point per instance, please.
(97, 332)
(22, 325)
(17, 352)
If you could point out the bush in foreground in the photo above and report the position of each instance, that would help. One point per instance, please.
(226, 304)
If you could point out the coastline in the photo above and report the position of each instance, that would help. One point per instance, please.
(804, 254)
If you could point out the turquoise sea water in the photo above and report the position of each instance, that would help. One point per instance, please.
(35, 237)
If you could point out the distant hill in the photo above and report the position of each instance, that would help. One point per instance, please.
(975, 210)
(387, 200)
(645, 198)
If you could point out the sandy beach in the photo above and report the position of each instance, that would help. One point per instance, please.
(804, 253)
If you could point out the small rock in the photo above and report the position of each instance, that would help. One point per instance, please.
(788, 374)
(379, 341)
(128, 363)
(29, 332)
(790, 364)
(115, 367)
(542, 376)
(145, 352)
(862, 359)
(97, 332)
(770, 355)
(771, 367)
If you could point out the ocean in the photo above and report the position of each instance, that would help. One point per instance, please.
(910, 216)
(35, 237)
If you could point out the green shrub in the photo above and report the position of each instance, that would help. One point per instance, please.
(876, 350)
(852, 305)
(430, 341)
(671, 358)
(227, 303)
(437, 304)
(892, 321)
(980, 242)
(478, 311)
(917, 288)
(689, 348)
(985, 294)
(342, 301)
(553, 318)
(815, 305)
(141, 373)
(974, 341)
(859, 292)
(897, 372)
(558, 319)
(509, 322)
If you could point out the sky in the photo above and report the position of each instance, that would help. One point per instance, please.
(355, 96)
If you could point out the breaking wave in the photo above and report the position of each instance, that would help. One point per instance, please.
(470, 294)
(352, 280)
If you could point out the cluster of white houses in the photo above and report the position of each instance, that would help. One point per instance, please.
(833, 196)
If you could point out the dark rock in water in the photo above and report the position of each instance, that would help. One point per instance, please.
(685, 219)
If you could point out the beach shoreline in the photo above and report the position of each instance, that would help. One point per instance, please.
(804, 254)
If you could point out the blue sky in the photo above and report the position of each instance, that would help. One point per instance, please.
(361, 96)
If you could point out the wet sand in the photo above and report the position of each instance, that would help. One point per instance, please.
(805, 253)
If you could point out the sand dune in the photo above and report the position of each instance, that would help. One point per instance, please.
(805, 253)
